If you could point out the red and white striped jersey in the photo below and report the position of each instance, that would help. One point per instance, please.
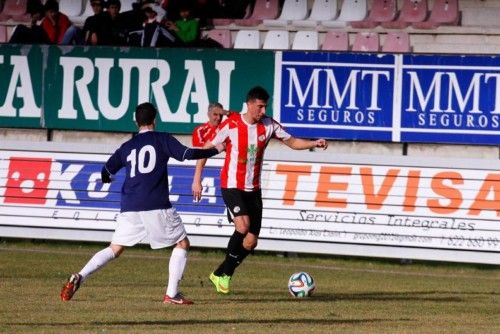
(245, 145)
(203, 133)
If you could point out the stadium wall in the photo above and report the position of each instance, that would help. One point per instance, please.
(362, 205)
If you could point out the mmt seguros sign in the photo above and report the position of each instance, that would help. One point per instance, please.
(410, 98)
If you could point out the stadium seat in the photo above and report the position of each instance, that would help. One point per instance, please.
(262, 10)
(444, 12)
(222, 36)
(411, 11)
(277, 40)
(397, 41)
(247, 39)
(305, 40)
(15, 10)
(352, 10)
(366, 42)
(87, 11)
(71, 7)
(322, 10)
(3, 34)
(292, 10)
(381, 11)
(336, 40)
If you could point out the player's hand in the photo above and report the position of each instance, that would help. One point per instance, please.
(105, 176)
(197, 189)
(220, 147)
(321, 143)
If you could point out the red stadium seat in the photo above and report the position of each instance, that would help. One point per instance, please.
(366, 42)
(397, 41)
(336, 40)
(381, 11)
(412, 11)
(14, 9)
(263, 10)
(444, 12)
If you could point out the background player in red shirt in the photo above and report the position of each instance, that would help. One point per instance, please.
(206, 131)
(246, 137)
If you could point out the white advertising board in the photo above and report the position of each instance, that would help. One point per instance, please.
(314, 202)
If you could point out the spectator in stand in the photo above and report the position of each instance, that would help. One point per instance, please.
(133, 21)
(32, 34)
(112, 27)
(92, 28)
(187, 28)
(155, 34)
(55, 24)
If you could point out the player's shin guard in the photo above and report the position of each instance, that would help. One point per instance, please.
(233, 255)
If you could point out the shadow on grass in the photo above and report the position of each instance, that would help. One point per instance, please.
(287, 321)
(432, 296)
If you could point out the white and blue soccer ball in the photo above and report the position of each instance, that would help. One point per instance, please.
(301, 284)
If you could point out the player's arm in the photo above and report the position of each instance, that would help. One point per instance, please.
(200, 164)
(180, 152)
(111, 166)
(305, 144)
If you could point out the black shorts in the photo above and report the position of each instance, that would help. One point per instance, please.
(244, 203)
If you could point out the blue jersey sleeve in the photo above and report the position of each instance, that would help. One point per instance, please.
(180, 152)
(114, 163)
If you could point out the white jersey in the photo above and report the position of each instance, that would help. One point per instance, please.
(245, 145)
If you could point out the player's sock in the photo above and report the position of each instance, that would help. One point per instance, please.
(220, 269)
(176, 267)
(243, 254)
(233, 253)
(99, 260)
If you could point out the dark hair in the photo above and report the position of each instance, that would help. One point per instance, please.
(257, 93)
(51, 5)
(114, 3)
(145, 114)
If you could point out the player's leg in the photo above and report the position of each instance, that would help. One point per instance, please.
(128, 232)
(176, 267)
(99, 260)
(235, 245)
(165, 228)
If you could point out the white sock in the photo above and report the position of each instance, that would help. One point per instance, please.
(96, 262)
(176, 267)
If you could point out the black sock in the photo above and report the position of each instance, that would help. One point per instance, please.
(233, 254)
(220, 269)
(243, 254)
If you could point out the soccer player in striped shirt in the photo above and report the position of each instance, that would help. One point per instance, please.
(246, 137)
(146, 212)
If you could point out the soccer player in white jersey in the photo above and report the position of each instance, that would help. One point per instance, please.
(246, 137)
(146, 211)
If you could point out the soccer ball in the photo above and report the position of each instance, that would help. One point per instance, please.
(301, 284)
